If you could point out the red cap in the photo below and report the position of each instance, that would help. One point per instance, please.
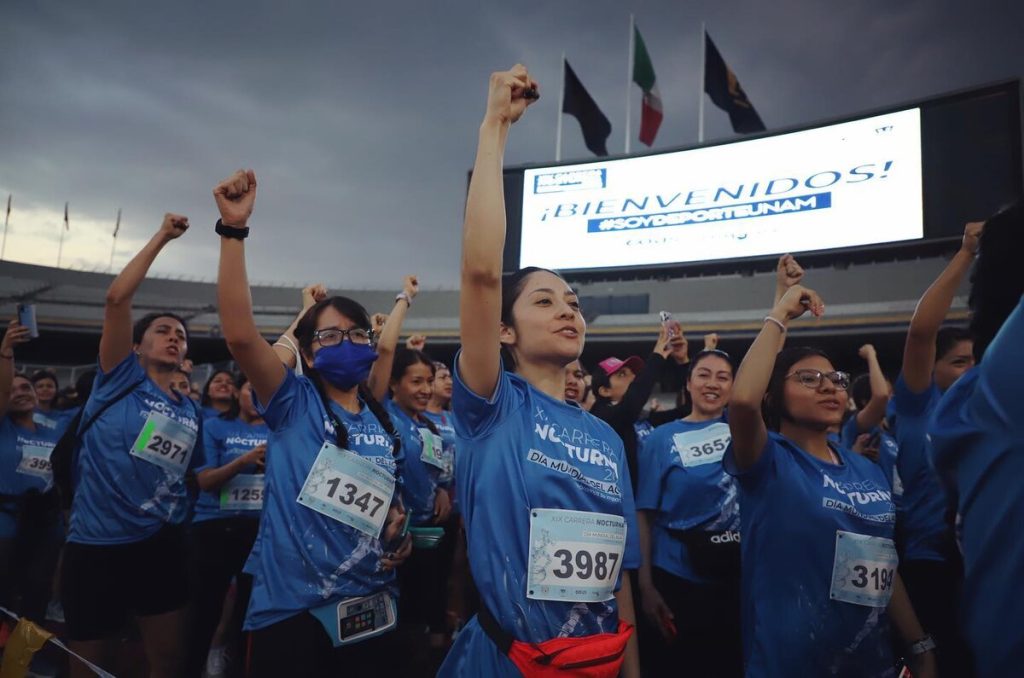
(613, 365)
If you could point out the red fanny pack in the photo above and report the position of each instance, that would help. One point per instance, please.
(597, 656)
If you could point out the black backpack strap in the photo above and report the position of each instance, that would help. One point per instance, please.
(501, 638)
(106, 406)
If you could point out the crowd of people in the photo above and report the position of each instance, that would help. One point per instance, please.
(339, 503)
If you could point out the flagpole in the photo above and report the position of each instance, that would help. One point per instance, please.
(629, 73)
(7, 217)
(561, 103)
(703, 71)
(60, 247)
(113, 244)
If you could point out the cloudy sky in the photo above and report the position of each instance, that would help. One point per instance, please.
(360, 118)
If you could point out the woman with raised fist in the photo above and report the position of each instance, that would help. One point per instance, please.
(332, 531)
(543, 485)
(819, 580)
(140, 441)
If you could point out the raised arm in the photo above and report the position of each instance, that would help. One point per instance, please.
(628, 409)
(931, 311)
(116, 340)
(235, 197)
(483, 234)
(746, 425)
(787, 273)
(380, 373)
(287, 346)
(873, 413)
(16, 334)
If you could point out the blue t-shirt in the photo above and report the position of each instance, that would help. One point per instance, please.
(682, 479)
(54, 419)
(926, 532)
(224, 440)
(888, 452)
(419, 479)
(792, 508)
(303, 559)
(977, 434)
(24, 466)
(518, 451)
(643, 429)
(119, 497)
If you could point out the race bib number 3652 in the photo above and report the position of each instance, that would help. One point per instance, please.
(165, 442)
(703, 446)
(575, 556)
(348, 488)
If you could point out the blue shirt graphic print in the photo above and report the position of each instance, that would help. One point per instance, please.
(119, 497)
(303, 559)
(419, 479)
(792, 508)
(523, 450)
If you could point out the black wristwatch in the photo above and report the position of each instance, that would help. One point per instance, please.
(236, 232)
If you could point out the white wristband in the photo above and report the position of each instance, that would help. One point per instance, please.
(402, 296)
(769, 319)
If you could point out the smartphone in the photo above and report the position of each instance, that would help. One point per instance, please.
(671, 325)
(27, 317)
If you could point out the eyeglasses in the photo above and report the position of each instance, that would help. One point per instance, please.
(813, 378)
(333, 337)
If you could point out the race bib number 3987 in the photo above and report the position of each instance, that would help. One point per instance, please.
(348, 488)
(575, 556)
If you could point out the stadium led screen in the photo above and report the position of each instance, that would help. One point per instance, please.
(844, 185)
(898, 179)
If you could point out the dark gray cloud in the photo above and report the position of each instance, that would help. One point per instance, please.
(360, 118)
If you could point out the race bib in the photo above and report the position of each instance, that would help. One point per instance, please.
(864, 569)
(348, 488)
(575, 556)
(703, 446)
(165, 442)
(244, 492)
(35, 461)
(433, 449)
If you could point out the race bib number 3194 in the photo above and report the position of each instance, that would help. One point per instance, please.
(575, 556)
(863, 570)
(348, 488)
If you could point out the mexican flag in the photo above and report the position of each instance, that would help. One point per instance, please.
(643, 75)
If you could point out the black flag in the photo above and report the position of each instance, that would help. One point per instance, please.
(578, 103)
(721, 85)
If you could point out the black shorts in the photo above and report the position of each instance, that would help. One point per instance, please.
(103, 585)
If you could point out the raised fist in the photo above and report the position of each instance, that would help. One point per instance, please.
(788, 272)
(416, 342)
(174, 226)
(377, 322)
(411, 286)
(313, 294)
(798, 300)
(866, 351)
(711, 341)
(510, 93)
(235, 197)
(972, 236)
